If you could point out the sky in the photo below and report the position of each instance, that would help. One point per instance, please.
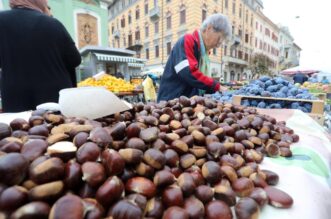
(309, 23)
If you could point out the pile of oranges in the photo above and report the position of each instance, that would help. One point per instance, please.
(113, 84)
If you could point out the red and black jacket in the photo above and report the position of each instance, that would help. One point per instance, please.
(181, 76)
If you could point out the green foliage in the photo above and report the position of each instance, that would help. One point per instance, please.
(260, 64)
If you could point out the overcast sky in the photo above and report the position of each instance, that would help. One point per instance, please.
(311, 31)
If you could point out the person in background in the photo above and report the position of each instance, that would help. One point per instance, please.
(37, 56)
(313, 79)
(325, 80)
(299, 78)
(188, 67)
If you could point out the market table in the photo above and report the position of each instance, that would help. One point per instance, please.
(305, 176)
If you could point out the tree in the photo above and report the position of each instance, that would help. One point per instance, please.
(260, 64)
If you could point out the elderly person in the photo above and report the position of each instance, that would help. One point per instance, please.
(187, 70)
(37, 56)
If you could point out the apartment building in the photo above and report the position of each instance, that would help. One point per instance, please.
(289, 51)
(267, 39)
(152, 27)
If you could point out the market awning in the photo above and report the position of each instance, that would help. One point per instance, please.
(103, 57)
(136, 65)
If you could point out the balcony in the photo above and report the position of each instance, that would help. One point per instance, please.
(136, 45)
(233, 60)
(117, 34)
(154, 13)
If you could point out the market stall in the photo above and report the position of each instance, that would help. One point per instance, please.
(134, 158)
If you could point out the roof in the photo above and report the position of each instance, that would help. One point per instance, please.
(106, 50)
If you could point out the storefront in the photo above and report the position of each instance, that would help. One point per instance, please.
(110, 60)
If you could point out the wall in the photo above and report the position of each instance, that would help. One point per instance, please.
(65, 11)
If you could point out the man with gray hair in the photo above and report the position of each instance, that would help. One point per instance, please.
(187, 70)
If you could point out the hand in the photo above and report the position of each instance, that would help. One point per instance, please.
(222, 89)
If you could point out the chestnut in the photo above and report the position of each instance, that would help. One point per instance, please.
(32, 210)
(163, 178)
(144, 170)
(278, 198)
(69, 206)
(171, 137)
(154, 158)
(13, 168)
(131, 156)
(101, 137)
(194, 207)
(260, 196)
(136, 143)
(86, 191)
(65, 150)
(272, 178)
(88, 152)
(179, 146)
(204, 193)
(112, 161)
(225, 193)
(243, 186)
(218, 209)
(72, 174)
(211, 172)
(133, 130)
(230, 173)
(187, 160)
(175, 212)
(47, 192)
(52, 139)
(118, 131)
(186, 183)
(93, 173)
(198, 152)
(39, 130)
(247, 208)
(141, 186)
(216, 149)
(33, 149)
(272, 150)
(47, 171)
(172, 196)
(154, 208)
(93, 209)
(11, 147)
(149, 135)
(110, 191)
(80, 139)
(139, 200)
(19, 124)
(199, 138)
(13, 198)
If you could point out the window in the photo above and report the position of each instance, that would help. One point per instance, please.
(168, 48)
(124, 41)
(147, 53)
(157, 51)
(225, 50)
(204, 14)
(246, 57)
(246, 38)
(240, 33)
(169, 21)
(226, 4)
(137, 13)
(123, 22)
(214, 51)
(137, 35)
(246, 16)
(146, 8)
(130, 40)
(252, 20)
(156, 26)
(129, 18)
(168, 1)
(112, 29)
(234, 7)
(182, 16)
(147, 31)
(256, 42)
(233, 30)
(240, 11)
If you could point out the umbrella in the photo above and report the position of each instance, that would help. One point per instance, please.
(297, 69)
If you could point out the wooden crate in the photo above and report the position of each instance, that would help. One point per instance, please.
(317, 105)
(321, 96)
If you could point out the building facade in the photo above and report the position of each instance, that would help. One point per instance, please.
(289, 51)
(267, 40)
(85, 20)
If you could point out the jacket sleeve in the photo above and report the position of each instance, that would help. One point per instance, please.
(70, 54)
(186, 66)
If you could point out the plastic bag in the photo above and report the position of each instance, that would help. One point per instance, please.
(149, 89)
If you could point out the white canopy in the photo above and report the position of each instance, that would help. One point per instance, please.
(156, 71)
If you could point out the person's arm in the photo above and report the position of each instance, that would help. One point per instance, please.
(186, 66)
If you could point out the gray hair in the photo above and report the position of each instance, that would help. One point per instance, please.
(219, 22)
